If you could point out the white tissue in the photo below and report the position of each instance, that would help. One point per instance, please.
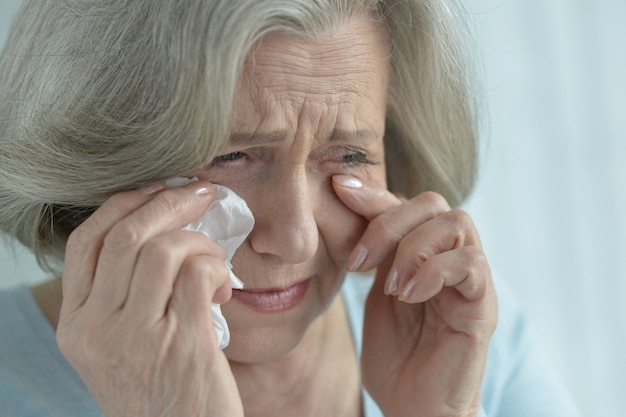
(227, 221)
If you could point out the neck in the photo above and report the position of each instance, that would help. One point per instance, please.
(319, 377)
(49, 296)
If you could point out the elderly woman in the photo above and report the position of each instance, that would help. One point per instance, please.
(321, 115)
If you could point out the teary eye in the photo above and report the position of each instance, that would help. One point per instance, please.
(356, 157)
(229, 157)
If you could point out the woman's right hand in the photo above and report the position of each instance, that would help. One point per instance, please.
(136, 318)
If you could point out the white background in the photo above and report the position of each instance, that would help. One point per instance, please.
(551, 198)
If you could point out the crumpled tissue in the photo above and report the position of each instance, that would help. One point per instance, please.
(228, 221)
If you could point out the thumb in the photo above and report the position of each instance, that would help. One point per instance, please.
(368, 201)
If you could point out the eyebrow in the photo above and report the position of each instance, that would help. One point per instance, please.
(239, 138)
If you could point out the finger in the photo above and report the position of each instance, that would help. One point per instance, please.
(169, 210)
(466, 269)
(194, 290)
(158, 264)
(84, 244)
(391, 219)
(224, 293)
(363, 199)
(461, 283)
(446, 232)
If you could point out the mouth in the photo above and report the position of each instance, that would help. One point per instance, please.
(272, 300)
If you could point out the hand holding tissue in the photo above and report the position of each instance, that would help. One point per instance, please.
(227, 221)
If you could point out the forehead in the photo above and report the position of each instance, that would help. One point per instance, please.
(345, 67)
(349, 50)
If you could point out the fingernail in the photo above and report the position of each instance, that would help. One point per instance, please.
(152, 188)
(407, 291)
(200, 188)
(362, 254)
(391, 284)
(348, 181)
(177, 182)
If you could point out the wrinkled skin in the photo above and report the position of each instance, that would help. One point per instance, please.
(307, 156)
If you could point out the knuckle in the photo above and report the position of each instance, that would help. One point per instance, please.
(428, 267)
(477, 257)
(159, 249)
(115, 207)
(462, 219)
(202, 242)
(202, 276)
(463, 227)
(478, 269)
(434, 200)
(78, 241)
(117, 200)
(421, 257)
(417, 254)
(204, 266)
(166, 203)
(388, 227)
(124, 234)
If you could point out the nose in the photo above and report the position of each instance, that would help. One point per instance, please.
(285, 226)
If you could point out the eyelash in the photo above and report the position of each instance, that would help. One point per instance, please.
(229, 157)
(356, 158)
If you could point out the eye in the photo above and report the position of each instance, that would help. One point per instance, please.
(356, 157)
(226, 158)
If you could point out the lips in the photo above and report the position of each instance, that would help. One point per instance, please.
(273, 300)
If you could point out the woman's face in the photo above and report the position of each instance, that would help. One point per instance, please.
(304, 110)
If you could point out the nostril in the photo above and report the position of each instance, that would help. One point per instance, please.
(292, 239)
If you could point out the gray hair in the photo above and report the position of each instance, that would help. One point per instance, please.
(100, 96)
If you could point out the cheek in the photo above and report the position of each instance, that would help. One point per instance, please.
(339, 227)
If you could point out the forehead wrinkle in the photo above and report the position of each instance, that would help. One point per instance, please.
(314, 58)
(282, 73)
(247, 138)
(280, 81)
(337, 135)
(352, 135)
(289, 99)
(266, 104)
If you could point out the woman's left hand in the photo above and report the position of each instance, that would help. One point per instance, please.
(432, 310)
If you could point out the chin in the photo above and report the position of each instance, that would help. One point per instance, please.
(265, 337)
(263, 345)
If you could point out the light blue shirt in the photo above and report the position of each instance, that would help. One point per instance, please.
(37, 381)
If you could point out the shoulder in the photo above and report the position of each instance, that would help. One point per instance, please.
(519, 379)
(35, 378)
(19, 313)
